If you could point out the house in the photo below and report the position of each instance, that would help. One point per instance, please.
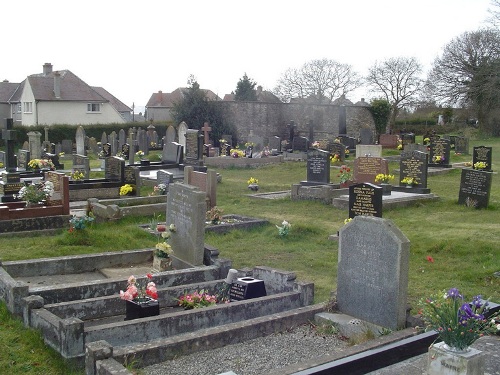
(160, 104)
(8, 110)
(60, 97)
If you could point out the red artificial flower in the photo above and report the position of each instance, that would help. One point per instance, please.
(430, 259)
(149, 276)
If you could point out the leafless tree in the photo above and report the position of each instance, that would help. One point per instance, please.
(322, 80)
(468, 73)
(398, 80)
(494, 18)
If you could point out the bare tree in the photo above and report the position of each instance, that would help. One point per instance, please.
(322, 79)
(494, 18)
(468, 73)
(398, 80)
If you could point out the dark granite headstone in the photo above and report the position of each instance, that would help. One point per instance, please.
(414, 164)
(365, 200)
(342, 120)
(366, 136)
(407, 138)
(475, 187)
(440, 148)
(300, 144)
(482, 154)
(462, 145)
(114, 169)
(247, 288)
(126, 151)
(367, 168)
(318, 166)
(275, 143)
(132, 176)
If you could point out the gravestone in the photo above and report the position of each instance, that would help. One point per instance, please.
(9, 137)
(206, 129)
(414, 164)
(80, 141)
(132, 176)
(35, 146)
(300, 144)
(348, 142)
(462, 145)
(183, 128)
(113, 141)
(482, 154)
(407, 138)
(172, 153)
(257, 140)
(416, 147)
(369, 150)
(93, 145)
(142, 141)
(186, 209)
(166, 178)
(82, 164)
(440, 147)
(170, 135)
(275, 144)
(342, 120)
(318, 167)
(67, 146)
(337, 148)
(106, 148)
(23, 157)
(114, 169)
(475, 187)
(366, 136)
(126, 151)
(122, 139)
(367, 168)
(104, 138)
(194, 147)
(372, 276)
(388, 140)
(365, 200)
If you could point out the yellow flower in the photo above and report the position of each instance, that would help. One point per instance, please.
(252, 180)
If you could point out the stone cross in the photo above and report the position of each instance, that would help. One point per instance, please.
(9, 136)
(206, 129)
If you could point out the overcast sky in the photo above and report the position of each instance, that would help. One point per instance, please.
(135, 48)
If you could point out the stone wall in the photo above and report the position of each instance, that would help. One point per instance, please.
(269, 119)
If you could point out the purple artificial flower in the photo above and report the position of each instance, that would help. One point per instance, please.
(454, 293)
(465, 313)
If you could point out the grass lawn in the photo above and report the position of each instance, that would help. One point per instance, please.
(463, 242)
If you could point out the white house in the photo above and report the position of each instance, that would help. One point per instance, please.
(60, 97)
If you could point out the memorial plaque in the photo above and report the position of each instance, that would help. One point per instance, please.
(365, 200)
(114, 169)
(367, 168)
(23, 157)
(247, 288)
(440, 148)
(483, 154)
(475, 187)
(414, 164)
(318, 166)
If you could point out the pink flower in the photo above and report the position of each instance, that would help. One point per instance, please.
(430, 259)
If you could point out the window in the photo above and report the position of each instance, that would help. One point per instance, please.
(28, 107)
(93, 107)
(19, 108)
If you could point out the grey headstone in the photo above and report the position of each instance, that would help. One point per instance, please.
(67, 146)
(93, 145)
(122, 138)
(172, 153)
(35, 145)
(170, 134)
(183, 128)
(142, 141)
(366, 136)
(80, 141)
(300, 144)
(23, 157)
(369, 150)
(81, 163)
(114, 169)
(113, 141)
(164, 177)
(104, 138)
(372, 276)
(186, 209)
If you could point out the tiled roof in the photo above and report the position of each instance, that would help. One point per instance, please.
(119, 105)
(167, 100)
(72, 88)
(7, 89)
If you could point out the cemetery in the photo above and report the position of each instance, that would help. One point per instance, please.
(271, 260)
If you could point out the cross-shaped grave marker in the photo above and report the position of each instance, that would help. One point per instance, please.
(9, 136)
(206, 129)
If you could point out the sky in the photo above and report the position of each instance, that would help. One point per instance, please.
(136, 48)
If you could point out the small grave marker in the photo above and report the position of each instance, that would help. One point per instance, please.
(365, 200)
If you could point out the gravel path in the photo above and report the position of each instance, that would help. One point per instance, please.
(254, 357)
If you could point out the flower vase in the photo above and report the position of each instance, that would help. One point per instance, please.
(141, 308)
(386, 188)
(161, 263)
(253, 187)
(445, 360)
(145, 162)
(345, 185)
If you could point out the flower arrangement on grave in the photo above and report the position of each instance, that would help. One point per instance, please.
(140, 153)
(61, 154)
(153, 145)
(252, 180)
(458, 323)
(236, 153)
(438, 159)
(427, 140)
(480, 165)
(164, 249)
(127, 189)
(468, 164)
(120, 154)
(197, 300)
(249, 144)
(214, 215)
(384, 178)
(159, 189)
(315, 144)
(345, 174)
(1, 165)
(410, 181)
(336, 140)
(334, 158)
(79, 222)
(348, 220)
(138, 292)
(347, 152)
(77, 175)
(265, 152)
(36, 193)
(284, 229)
(36, 164)
(400, 145)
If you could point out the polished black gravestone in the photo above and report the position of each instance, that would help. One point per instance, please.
(247, 288)
(318, 167)
(482, 154)
(475, 187)
(365, 199)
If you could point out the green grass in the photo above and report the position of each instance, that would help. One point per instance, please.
(462, 241)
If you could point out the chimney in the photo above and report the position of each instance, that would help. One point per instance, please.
(160, 96)
(259, 90)
(47, 68)
(57, 85)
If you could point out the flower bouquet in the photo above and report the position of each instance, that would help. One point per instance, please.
(138, 292)
(480, 165)
(77, 175)
(236, 153)
(140, 153)
(37, 164)
(438, 159)
(345, 174)
(253, 184)
(458, 323)
(214, 215)
(284, 229)
(127, 189)
(197, 300)
(384, 178)
(36, 193)
(409, 181)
